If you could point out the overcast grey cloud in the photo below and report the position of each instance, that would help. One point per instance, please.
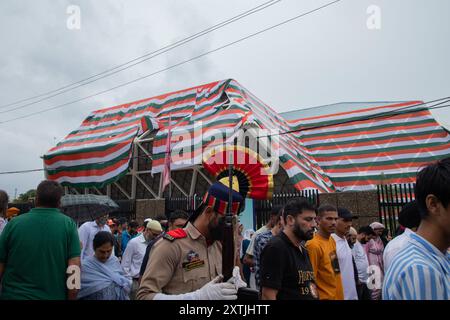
(326, 57)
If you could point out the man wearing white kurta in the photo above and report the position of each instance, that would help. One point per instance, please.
(344, 254)
(135, 252)
(394, 247)
(87, 232)
(409, 218)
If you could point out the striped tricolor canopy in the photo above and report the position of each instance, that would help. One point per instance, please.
(345, 151)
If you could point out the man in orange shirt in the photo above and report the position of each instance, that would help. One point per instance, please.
(322, 254)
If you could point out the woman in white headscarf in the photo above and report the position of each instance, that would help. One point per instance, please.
(374, 250)
(102, 276)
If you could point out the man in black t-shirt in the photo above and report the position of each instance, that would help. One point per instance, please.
(286, 272)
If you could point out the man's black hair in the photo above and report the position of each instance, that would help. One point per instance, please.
(178, 214)
(343, 212)
(134, 224)
(103, 237)
(160, 217)
(324, 208)
(276, 210)
(49, 194)
(296, 206)
(367, 230)
(3, 202)
(121, 221)
(409, 216)
(433, 179)
(277, 219)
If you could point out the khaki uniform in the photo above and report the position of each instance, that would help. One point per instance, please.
(180, 266)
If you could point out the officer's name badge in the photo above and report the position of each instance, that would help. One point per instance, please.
(193, 261)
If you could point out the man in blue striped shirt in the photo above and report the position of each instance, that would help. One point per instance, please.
(421, 271)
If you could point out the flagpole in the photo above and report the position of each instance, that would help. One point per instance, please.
(170, 183)
(170, 156)
(230, 182)
(166, 174)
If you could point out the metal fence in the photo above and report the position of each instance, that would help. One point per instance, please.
(127, 209)
(188, 204)
(262, 208)
(391, 199)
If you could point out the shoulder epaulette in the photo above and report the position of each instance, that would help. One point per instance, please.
(175, 234)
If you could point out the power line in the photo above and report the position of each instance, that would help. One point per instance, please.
(21, 171)
(444, 106)
(435, 106)
(129, 64)
(176, 65)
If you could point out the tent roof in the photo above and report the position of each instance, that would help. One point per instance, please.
(336, 147)
(333, 108)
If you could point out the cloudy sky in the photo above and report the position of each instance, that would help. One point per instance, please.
(327, 57)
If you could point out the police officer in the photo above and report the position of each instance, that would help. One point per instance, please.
(187, 263)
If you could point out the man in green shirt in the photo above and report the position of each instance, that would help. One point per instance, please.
(37, 248)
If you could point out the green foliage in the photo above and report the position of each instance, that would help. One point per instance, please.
(25, 197)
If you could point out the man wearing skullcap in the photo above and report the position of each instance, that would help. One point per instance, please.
(360, 262)
(177, 220)
(135, 251)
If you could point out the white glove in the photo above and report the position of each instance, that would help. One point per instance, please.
(217, 290)
(236, 279)
(213, 290)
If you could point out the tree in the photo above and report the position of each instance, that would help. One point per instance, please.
(27, 196)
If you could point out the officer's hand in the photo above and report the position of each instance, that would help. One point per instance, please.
(236, 279)
(217, 290)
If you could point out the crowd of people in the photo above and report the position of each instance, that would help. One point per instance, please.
(303, 252)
